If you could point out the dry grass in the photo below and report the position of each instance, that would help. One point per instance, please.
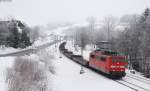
(27, 74)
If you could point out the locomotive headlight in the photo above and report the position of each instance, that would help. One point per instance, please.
(112, 66)
(122, 66)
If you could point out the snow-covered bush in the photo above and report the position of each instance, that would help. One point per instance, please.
(27, 74)
(46, 57)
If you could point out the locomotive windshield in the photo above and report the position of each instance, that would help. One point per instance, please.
(111, 53)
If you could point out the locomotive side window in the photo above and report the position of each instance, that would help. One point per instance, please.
(92, 56)
(99, 58)
(103, 59)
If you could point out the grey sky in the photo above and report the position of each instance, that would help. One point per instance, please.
(43, 11)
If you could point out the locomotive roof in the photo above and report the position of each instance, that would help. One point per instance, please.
(103, 42)
(104, 52)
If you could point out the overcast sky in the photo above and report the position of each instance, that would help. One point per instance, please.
(41, 12)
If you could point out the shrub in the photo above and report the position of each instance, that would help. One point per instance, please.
(27, 74)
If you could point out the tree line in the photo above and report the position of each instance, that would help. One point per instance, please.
(16, 34)
(133, 39)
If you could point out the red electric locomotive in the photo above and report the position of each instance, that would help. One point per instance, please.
(107, 61)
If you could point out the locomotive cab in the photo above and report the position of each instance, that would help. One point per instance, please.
(107, 61)
(117, 65)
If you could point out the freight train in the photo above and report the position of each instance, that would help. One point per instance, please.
(110, 63)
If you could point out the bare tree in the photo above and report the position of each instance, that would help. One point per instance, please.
(109, 25)
(91, 21)
(34, 33)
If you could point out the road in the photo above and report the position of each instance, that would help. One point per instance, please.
(29, 51)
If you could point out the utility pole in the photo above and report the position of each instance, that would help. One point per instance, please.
(82, 70)
(60, 55)
(76, 41)
(55, 42)
(82, 46)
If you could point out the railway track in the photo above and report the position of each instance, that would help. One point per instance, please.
(126, 85)
(131, 85)
(141, 80)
